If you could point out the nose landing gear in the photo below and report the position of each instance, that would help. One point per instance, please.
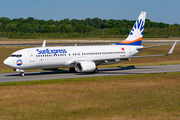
(22, 74)
(21, 71)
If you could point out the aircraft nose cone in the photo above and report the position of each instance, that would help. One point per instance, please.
(5, 62)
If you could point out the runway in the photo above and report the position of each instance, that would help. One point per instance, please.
(63, 74)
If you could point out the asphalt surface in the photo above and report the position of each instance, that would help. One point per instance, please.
(62, 74)
(79, 44)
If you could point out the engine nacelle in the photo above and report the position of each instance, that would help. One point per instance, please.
(85, 66)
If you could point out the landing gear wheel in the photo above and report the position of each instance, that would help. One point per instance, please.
(95, 71)
(22, 74)
(72, 70)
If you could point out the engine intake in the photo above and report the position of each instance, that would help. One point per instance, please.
(85, 66)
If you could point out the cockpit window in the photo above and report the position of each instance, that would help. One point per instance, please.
(12, 55)
(16, 55)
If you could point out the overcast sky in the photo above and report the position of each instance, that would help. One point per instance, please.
(166, 11)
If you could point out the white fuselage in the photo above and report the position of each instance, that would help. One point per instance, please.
(65, 56)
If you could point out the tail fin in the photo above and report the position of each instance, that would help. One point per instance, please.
(136, 34)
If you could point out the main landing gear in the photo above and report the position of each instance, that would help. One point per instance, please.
(72, 70)
(95, 71)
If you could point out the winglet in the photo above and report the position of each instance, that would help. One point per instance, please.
(172, 48)
(44, 43)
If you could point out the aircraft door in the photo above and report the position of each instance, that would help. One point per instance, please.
(81, 54)
(31, 56)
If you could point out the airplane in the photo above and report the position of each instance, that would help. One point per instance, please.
(83, 59)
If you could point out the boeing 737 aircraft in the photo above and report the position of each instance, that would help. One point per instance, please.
(81, 58)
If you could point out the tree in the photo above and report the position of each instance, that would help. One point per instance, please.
(1, 26)
(96, 22)
(29, 19)
(5, 20)
(116, 30)
(52, 28)
(11, 27)
(28, 29)
(50, 22)
(109, 24)
(37, 28)
(42, 29)
(80, 28)
(89, 28)
(21, 26)
(63, 28)
(42, 22)
(35, 21)
(69, 28)
(65, 21)
(73, 22)
(147, 23)
(47, 29)
(88, 21)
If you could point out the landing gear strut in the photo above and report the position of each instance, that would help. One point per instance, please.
(21, 71)
(95, 71)
(22, 74)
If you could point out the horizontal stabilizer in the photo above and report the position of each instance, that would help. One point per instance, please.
(149, 47)
(170, 52)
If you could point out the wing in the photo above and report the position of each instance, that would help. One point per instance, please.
(126, 59)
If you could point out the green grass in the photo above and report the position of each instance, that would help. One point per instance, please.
(146, 96)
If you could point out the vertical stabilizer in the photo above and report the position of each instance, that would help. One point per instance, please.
(136, 34)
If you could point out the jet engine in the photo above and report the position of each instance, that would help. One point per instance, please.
(85, 66)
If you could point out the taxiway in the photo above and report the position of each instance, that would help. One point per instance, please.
(63, 74)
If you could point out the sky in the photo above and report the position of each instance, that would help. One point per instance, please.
(166, 11)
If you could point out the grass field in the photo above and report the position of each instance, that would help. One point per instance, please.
(6, 51)
(149, 96)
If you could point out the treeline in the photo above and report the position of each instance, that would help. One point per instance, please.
(66, 28)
